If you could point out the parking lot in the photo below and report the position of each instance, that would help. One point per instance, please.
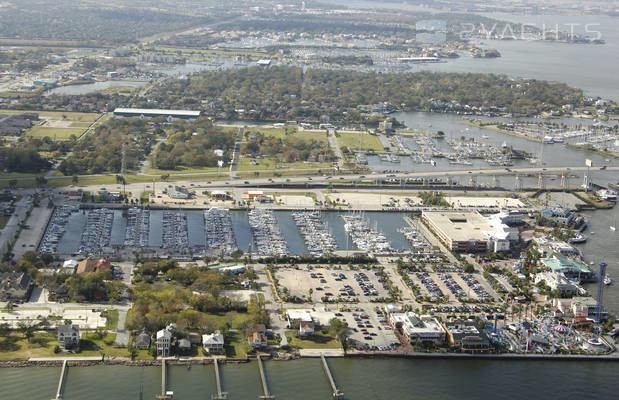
(338, 283)
(451, 285)
(369, 327)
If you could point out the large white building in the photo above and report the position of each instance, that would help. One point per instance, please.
(557, 281)
(468, 231)
(418, 329)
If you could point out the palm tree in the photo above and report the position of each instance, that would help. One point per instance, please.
(75, 179)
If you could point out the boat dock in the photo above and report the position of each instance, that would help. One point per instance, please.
(337, 394)
(164, 393)
(61, 381)
(220, 395)
(265, 386)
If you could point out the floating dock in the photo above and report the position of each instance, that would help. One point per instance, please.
(220, 394)
(61, 381)
(337, 394)
(265, 387)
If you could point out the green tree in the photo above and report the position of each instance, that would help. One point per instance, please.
(338, 329)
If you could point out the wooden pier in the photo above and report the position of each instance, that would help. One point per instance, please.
(220, 394)
(337, 394)
(265, 387)
(61, 381)
(164, 393)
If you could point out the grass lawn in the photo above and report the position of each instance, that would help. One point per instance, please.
(235, 345)
(184, 170)
(271, 163)
(112, 319)
(60, 115)
(317, 341)
(290, 132)
(54, 133)
(16, 347)
(351, 140)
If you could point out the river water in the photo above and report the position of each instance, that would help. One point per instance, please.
(304, 379)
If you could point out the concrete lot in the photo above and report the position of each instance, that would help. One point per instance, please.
(29, 238)
(85, 318)
(373, 200)
(299, 282)
(296, 201)
(484, 202)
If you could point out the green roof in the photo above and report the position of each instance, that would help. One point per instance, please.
(559, 264)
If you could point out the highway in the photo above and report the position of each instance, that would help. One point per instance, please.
(137, 188)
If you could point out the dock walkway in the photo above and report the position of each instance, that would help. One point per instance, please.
(337, 394)
(265, 387)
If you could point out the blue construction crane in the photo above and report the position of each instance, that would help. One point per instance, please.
(598, 312)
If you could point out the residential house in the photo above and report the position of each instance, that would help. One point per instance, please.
(256, 340)
(184, 345)
(142, 342)
(213, 342)
(15, 286)
(68, 336)
(306, 328)
(164, 339)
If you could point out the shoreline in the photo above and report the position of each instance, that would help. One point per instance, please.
(613, 357)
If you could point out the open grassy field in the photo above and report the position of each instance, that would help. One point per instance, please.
(317, 341)
(184, 170)
(351, 140)
(15, 347)
(290, 132)
(59, 115)
(54, 133)
(271, 163)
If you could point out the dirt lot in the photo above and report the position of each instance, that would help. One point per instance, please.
(331, 283)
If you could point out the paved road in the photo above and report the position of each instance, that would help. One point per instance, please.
(122, 336)
(271, 305)
(8, 233)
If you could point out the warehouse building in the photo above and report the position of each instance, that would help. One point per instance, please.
(145, 112)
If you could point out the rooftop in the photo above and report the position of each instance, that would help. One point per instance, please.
(155, 111)
(460, 226)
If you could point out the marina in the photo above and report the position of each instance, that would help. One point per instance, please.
(315, 232)
(267, 236)
(56, 228)
(175, 236)
(98, 231)
(137, 228)
(219, 231)
(363, 236)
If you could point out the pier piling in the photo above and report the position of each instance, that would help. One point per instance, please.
(265, 387)
(220, 394)
(61, 381)
(337, 394)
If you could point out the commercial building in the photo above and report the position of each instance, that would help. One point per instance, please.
(145, 112)
(559, 215)
(572, 269)
(470, 231)
(466, 337)
(557, 281)
(418, 329)
(179, 192)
